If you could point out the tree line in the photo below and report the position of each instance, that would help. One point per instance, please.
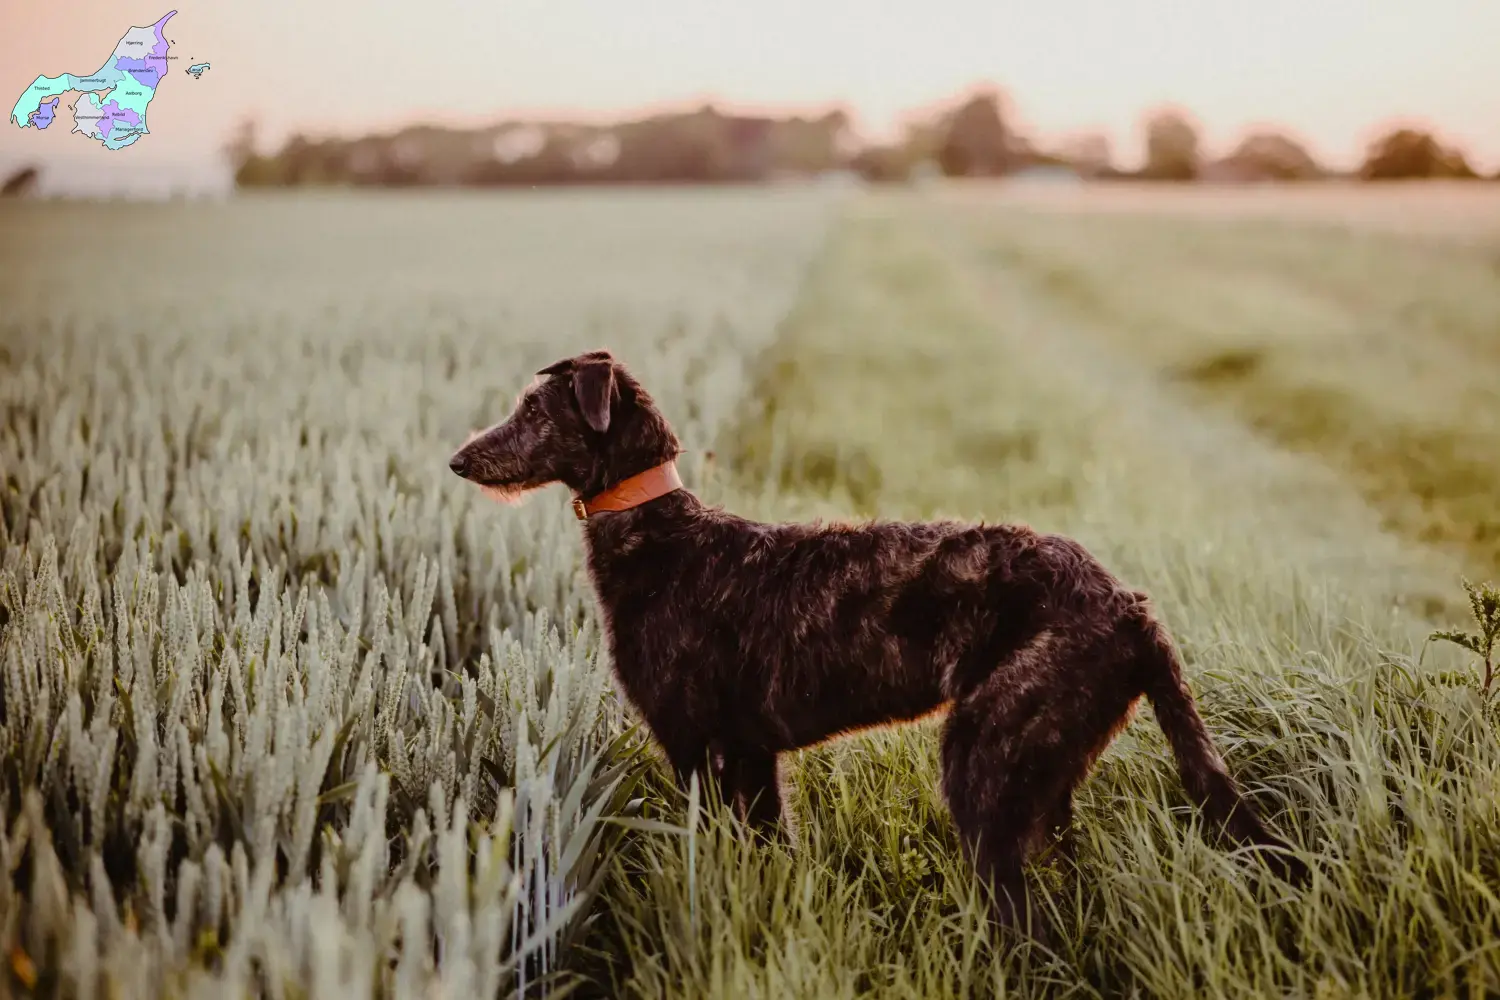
(971, 137)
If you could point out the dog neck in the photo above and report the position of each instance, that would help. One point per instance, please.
(656, 481)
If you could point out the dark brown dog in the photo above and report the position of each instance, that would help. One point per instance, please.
(739, 640)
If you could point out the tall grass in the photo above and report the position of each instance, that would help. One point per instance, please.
(286, 709)
(919, 377)
(283, 706)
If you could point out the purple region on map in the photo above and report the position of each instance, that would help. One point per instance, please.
(147, 72)
(43, 115)
(114, 113)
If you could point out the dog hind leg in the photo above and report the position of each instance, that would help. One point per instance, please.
(1001, 793)
(1016, 746)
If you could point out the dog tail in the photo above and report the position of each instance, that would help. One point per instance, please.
(1204, 776)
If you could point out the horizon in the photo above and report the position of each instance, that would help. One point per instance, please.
(1327, 77)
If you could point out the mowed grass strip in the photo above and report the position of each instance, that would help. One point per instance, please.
(894, 364)
(1379, 353)
(889, 394)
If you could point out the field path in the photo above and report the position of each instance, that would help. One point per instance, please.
(1372, 354)
(923, 373)
(1225, 475)
(985, 393)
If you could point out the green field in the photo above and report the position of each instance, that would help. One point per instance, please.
(284, 707)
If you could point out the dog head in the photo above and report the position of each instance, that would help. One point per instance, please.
(583, 421)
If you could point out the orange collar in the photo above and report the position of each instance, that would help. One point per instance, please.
(628, 493)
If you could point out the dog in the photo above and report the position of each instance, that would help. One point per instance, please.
(737, 641)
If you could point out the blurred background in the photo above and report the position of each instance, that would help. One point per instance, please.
(531, 93)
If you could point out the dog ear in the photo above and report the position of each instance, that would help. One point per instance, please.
(567, 365)
(594, 385)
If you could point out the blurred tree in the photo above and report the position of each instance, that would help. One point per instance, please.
(976, 143)
(1021, 153)
(846, 139)
(305, 161)
(21, 183)
(812, 145)
(240, 145)
(693, 147)
(1456, 165)
(596, 153)
(249, 168)
(299, 161)
(1274, 156)
(884, 164)
(552, 164)
(1406, 153)
(915, 153)
(1171, 146)
(922, 141)
(1088, 153)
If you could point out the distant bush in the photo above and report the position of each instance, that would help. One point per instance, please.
(1172, 152)
(1270, 156)
(1406, 154)
(972, 136)
(977, 140)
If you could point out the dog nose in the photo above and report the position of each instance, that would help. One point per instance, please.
(459, 464)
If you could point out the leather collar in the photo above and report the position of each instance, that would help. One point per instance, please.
(632, 492)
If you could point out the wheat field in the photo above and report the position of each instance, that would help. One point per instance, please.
(286, 710)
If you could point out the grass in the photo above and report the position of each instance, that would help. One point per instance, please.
(283, 707)
(1453, 210)
(922, 375)
(282, 704)
(1373, 352)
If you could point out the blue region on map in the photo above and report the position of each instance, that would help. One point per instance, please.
(196, 70)
(43, 115)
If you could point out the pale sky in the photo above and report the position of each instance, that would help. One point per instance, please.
(1330, 71)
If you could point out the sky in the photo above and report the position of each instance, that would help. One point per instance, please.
(1332, 73)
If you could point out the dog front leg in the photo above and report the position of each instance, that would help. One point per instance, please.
(689, 754)
(752, 786)
(745, 780)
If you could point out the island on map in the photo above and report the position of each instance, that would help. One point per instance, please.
(196, 70)
(112, 107)
(45, 112)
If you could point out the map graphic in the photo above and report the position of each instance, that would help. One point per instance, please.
(112, 102)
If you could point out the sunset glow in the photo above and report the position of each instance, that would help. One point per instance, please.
(1330, 73)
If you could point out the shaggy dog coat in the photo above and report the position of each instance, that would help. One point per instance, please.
(737, 640)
